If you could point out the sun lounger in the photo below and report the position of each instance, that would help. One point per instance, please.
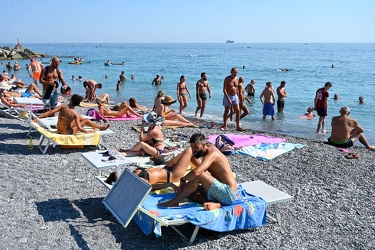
(51, 137)
(135, 203)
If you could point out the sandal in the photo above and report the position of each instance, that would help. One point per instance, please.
(351, 156)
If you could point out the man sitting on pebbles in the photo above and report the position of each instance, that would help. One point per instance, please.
(345, 131)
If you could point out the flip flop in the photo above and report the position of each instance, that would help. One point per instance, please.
(224, 128)
(352, 156)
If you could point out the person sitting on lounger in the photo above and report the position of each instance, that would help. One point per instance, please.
(171, 118)
(123, 109)
(345, 131)
(211, 183)
(69, 121)
(150, 143)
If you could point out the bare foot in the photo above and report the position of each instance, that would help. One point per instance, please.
(104, 127)
(211, 205)
(371, 147)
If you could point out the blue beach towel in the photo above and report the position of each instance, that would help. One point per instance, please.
(268, 151)
(247, 212)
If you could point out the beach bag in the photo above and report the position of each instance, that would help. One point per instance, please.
(224, 144)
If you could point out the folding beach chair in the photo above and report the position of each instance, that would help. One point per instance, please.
(124, 205)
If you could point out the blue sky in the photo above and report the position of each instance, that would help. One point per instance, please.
(191, 21)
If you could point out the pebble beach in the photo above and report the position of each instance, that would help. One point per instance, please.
(53, 201)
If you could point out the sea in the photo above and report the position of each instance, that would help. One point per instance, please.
(349, 67)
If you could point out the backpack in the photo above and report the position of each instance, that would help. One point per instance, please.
(224, 144)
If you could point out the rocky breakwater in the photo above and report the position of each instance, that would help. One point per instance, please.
(18, 52)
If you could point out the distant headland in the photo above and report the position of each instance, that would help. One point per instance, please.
(18, 52)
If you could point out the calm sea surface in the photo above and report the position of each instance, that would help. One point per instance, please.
(309, 68)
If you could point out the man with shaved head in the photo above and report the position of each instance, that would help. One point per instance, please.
(48, 78)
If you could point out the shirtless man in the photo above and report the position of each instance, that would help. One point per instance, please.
(200, 88)
(150, 143)
(36, 67)
(123, 109)
(281, 94)
(250, 89)
(48, 78)
(268, 101)
(28, 92)
(345, 131)
(90, 87)
(211, 183)
(69, 121)
(156, 81)
(231, 98)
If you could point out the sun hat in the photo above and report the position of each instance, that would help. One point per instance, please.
(4, 85)
(153, 118)
(168, 100)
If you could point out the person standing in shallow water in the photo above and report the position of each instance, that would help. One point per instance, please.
(200, 89)
(321, 106)
(182, 89)
(268, 100)
(281, 94)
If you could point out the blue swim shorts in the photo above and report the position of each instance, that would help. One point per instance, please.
(26, 94)
(269, 109)
(233, 98)
(221, 193)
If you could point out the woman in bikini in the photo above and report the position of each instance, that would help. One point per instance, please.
(161, 178)
(123, 109)
(182, 88)
(133, 103)
(69, 121)
(171, 118)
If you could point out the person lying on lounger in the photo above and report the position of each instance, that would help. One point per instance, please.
(171, 118)
(150, 143)
(28, 92)
(161, 178)
(123, 109)
(69, 121)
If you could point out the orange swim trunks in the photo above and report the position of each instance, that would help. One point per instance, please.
(36, 75)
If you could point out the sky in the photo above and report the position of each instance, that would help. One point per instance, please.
(189, 21)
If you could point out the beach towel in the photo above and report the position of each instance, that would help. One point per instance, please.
(90, 104)
(247, 140)
(78, 139)
(268, 151)
(247, 212)
(98, 117)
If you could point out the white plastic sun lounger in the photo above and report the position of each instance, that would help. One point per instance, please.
(125, 204)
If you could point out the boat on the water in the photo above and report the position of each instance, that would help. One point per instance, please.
(75, 62)
(229, 41)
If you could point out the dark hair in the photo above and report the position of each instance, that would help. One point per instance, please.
(76, 100)
(328, 84)
(202, 74)
(198, 137)
(181, 77)
(100, 85)
(283, 82)
(132, 102)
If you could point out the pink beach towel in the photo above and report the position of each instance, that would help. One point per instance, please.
(98, 117)
(247, 140)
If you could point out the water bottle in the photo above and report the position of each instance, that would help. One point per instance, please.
(31, 146)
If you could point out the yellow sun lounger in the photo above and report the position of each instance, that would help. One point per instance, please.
(53, 138)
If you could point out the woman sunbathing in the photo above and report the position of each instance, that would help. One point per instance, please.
(69, 121)
(161, 178)
(133, 103)
(123, 109)
(171, 118)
